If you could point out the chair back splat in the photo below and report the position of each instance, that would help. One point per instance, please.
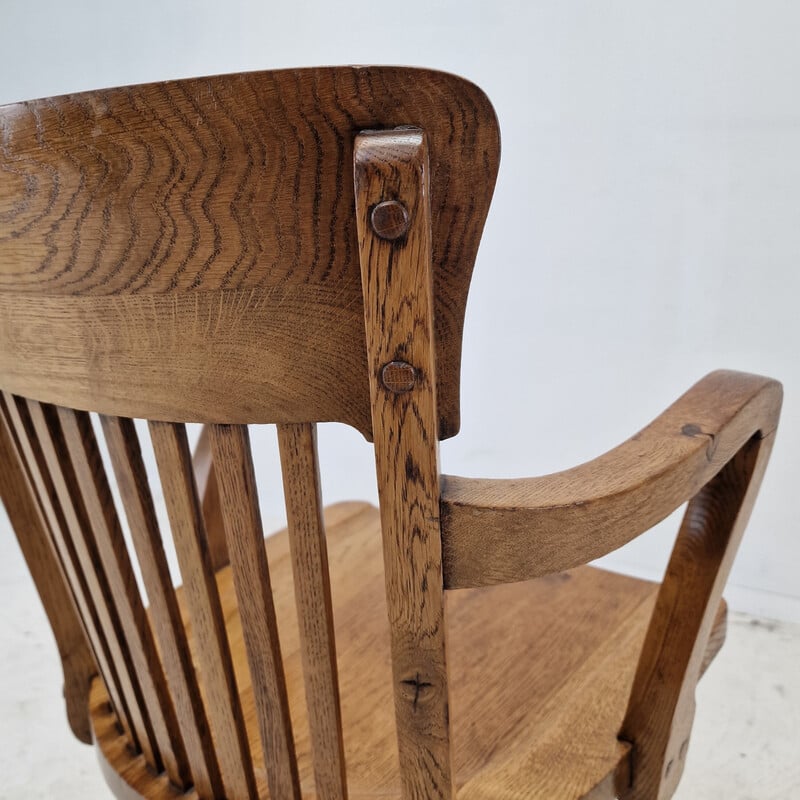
(289, 248)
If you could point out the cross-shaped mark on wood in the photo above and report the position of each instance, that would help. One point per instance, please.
(419, 687)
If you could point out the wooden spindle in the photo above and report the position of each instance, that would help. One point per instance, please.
(20, 494)
(166, 745)
(75, 541)
(126, 458)
(233, 463)
(200, 590)
(312, 586)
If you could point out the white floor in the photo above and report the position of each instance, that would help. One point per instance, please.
(746, 744)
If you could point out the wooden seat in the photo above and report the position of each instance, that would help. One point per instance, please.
(541, 672)
(295, 247)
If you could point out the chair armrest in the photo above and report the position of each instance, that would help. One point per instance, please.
(498, 531)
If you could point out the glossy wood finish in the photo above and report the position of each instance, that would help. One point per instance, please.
(155, 239)
(509, 530)
(545, 730)
(398, 314)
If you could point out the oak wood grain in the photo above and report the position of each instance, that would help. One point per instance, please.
(200, 251)
(78, 549)
(566, 647)
(19, 495)
(230, 448)
(497, 530)
(661, 708)
(398, 313)
(163, 744)
(306, 529)
(212, 651)
(164, 236)
(208, 491)
(129, 469)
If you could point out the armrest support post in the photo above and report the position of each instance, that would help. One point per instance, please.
(661, 708)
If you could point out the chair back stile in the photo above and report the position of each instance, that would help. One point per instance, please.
(392, 167)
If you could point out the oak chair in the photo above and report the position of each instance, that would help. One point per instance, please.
(295, 247)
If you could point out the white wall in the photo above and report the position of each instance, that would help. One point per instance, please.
(645, 229)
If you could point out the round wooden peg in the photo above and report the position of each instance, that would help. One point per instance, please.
(390, 220)
(398, 376)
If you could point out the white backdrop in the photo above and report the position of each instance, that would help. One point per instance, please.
(645, 228)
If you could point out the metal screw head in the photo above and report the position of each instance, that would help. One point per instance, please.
(398, 377)
(390, 220)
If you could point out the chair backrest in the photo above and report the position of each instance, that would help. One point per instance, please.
(162, 244)
(198, 251)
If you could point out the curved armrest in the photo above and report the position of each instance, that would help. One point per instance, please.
(498, 531)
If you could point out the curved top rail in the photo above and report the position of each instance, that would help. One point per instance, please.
(187, 250)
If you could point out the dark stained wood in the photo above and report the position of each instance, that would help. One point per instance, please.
(546, 730)
(230, 448)
(19, 496)
(163, 743)
(398, 314)
(508, 530)
(212, 651)
(126, 458)
(306, 528)
(154, 239)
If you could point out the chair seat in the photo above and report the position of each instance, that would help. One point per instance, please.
(540, 674)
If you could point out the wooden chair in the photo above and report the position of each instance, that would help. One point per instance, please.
(293, 247)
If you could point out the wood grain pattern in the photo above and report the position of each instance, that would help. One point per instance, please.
(230, 448)
(716, 640)
(126, 459)
(19, 495)
(166, 235)
(398, 309)
(212, 651)
(566, 647)
(200, 251)
(78, 550)
(306, 527)
(506, 530)
(661, 709)
(208, 491)
(163, 743)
